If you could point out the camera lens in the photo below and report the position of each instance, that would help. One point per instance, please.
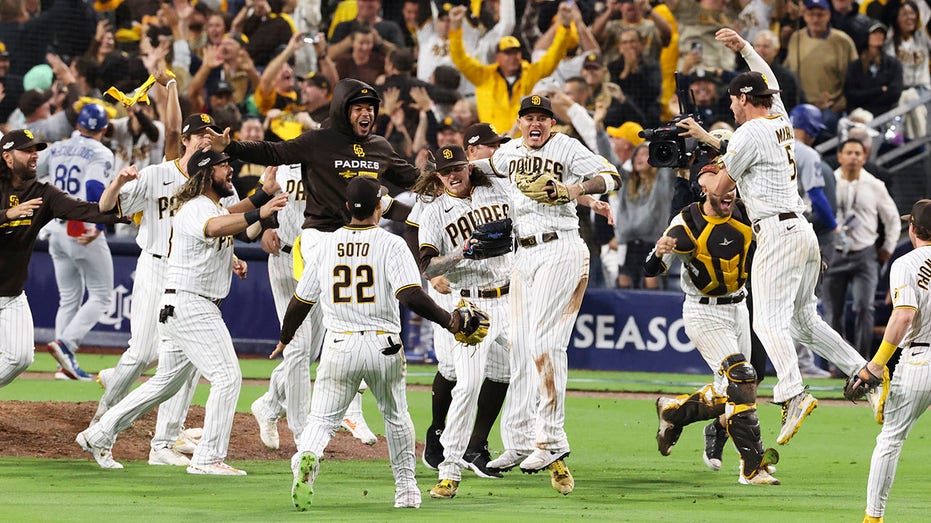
(664, 154)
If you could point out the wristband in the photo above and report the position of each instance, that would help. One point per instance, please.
(251, 216)
(172, 81)
(260, 198)
(885, 352)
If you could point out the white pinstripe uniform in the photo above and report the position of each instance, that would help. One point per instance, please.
(152, 194)
(787, 261)
(910, 390)
(359, 272)
(548, 281)
(717, 330)
(73, 164)
(289, 385)
(193, 339)
(17, 348)
(445, 224)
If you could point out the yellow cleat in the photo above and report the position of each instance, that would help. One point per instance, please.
(445, 489)
(868, 518)
(560, 477)
(877, 397)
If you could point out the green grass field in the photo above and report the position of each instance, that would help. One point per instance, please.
(619, 474)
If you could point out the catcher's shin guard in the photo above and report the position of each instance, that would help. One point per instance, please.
(700, 405)
(743, 425)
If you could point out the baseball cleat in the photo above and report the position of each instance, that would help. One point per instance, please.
(104, 376)
(508, 460)
(215, 469)
(715, 438)
(560, 477)
(877, 397)
(540, 459)
(794, 413)
(168, 456)
(268, 428)
(103, 455)
(305, 467)
(65, 358)
(433, 449)
(189, 438)
(445, 489)
(359, 429)
(760, 478)
(668, 434)
(872, 519)
(477, 461)
(407, 498)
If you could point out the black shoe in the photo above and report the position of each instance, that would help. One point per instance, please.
(478, 463)
(433, 449)
(715, 439)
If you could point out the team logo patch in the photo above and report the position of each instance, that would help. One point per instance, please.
(28, 134)
(473, 140)
(535, 100)
(203, 162)
(205, 118)
(92, 122)
(765, 81)
(7, 146)
(746, 89)
(184, 129)
(357, 149)
(365, 91)
(14, 200)
(448, 154)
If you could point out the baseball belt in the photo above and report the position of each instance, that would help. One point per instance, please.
(215, 301)
(286, 249)
(783, 216)
(530, 241)
(724, 300)
(497, 292)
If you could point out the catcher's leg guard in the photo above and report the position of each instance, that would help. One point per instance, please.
(743, 425)
(676, 413)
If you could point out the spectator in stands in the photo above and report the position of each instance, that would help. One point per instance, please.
(495, 20)
(448, 132)
(847, 18)
(911, 44)
(230, 62)
(655, 32)
(874, 81)
(276, 97)
(11, 84)
(619, 108)
(103, 44)
(587, 49)
(465, 112)
(315, 96)
(638, 77)
(267, 31)
(433, 42)
(643, 198)
(246, 175)
(500, 86)
(388, 34)
(862, 201)
(711, 106)
(69, 24)
(697, 23)
(137, 138)
(399, 73)
(624, 140)
(365, 62)
(414, 18)
(766, 44)
(820, 56)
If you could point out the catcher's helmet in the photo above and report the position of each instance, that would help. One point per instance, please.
(93, 117)
(807, 117)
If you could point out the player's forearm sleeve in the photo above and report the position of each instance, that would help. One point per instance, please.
(653, 266)
(415, 299)
(821, 207)
(293, 318)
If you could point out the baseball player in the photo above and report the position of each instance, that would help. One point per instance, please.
(761, 162)
(152, 193)
(713, 239)
(550, 273)
(26, 205)
(360, 268)
(289, 385)
(909, 328)
(445, 234)
(82, 167)
(192, 334)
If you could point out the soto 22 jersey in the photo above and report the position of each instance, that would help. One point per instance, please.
(153, 194)
(360, 270)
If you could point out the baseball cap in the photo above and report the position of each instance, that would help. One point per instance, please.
(629, 131)
(317, 79)
(20, 139)
(363, 95)
(362, 195)
(704, 75)
(535, 104)
(39, 77)
(817, 4)
(593, 60)
(750, 83)
(198, 122)
(448, 124)
(508, 43)
(920, 215)
(483, 134)
(878, 26)
(32, 100)
(239, 38)
(450, 156)
(202, 159)
(223, 87)
(807, 117)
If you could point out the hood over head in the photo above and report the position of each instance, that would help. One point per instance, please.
(346, 92)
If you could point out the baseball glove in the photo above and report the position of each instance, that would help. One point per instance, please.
(861, 382)
(472, 324)
(542, 188)
(492, 239)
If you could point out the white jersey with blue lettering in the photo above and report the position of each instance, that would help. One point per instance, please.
(74, 162)
(366, 267)
(562, 156)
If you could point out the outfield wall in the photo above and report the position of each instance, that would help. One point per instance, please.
(615, 330)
